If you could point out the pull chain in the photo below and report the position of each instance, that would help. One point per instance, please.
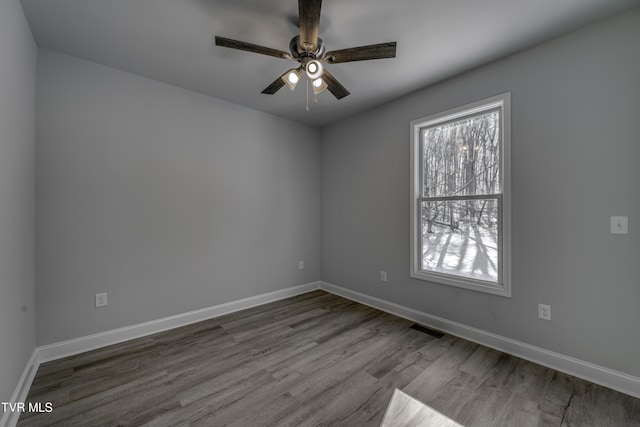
(307, 94)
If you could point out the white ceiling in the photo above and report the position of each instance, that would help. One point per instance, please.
(172, 41)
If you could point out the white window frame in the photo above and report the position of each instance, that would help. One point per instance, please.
(503, 286)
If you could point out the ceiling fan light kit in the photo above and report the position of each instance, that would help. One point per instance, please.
(291, 78)
(314, 69)
(308, 49)
(319, 86)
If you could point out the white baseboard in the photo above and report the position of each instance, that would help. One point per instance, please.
(20, 393)
(80, 345)
(606, 377)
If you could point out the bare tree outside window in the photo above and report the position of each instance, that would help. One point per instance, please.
(459, 194)
(460, 234)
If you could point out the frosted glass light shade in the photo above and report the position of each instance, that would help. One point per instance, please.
(314, 69)
(291, 78)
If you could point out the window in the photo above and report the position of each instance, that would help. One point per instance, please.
(460, 207)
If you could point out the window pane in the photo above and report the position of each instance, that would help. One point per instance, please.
(462, 157)
(461, 238)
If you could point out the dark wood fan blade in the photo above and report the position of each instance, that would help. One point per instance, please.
(362, 53)
(309, 23)
(250, 47)
(275, 86)
(334, 85)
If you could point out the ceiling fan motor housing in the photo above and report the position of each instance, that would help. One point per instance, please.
(298, 52)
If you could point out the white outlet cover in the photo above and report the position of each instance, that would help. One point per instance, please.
(619, 225)
(544, 311)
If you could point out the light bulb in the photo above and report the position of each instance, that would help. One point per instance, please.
(319, 85)
(291, 78)
(314, 69)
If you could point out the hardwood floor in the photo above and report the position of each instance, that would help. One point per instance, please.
(311, 360)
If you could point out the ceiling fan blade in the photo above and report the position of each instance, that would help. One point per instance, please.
(362, 53)
(250, 47)
(334, 85)
(275, 86)
(309, 23)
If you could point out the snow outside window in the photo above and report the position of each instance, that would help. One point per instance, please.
(460, 213)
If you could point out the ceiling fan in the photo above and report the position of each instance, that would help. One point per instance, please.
(309, 50)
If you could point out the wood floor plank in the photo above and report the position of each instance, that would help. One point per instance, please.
(335, 404)
(439, 373)
(313, 359)
(488, 402)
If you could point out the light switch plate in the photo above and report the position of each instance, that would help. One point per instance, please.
(619, 225)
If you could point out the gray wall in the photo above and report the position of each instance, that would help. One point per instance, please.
(166, 199)
(575, 162)
(17, 141)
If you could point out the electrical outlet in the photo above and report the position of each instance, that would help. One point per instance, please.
(101, 299)
(544, 311)
(300, 265)
(383, 276)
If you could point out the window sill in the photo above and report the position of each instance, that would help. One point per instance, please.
(465, 283)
